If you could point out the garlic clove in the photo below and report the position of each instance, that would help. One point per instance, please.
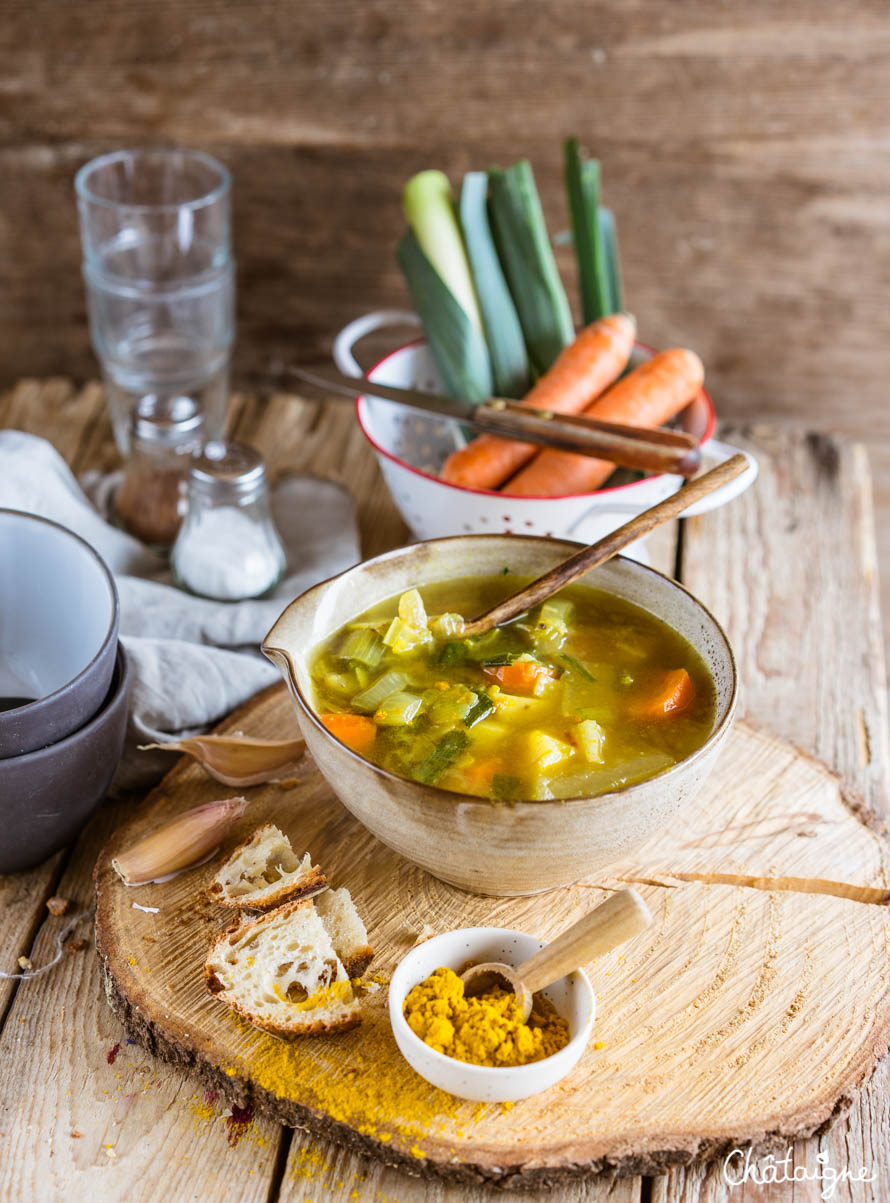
(179, 844)
(238, 760)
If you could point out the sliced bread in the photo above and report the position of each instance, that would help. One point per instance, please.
(348, 934)
(264, 872)
(280, 971)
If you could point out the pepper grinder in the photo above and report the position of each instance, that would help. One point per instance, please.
(228, 547)
(150, 500)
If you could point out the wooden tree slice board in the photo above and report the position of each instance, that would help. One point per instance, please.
(744, 1014)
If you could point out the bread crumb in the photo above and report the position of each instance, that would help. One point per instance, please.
(426, 933)
(77, 1135)
(24, 963)
(57, 905)
(76, 945)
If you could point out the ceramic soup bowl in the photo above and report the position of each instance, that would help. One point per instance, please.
(524, 847)
(58, 632)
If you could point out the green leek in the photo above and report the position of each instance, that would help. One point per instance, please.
(365, 646)
(453, 706)
(556, 612)
(389, 683)
(398, 710)
(524, 250)
(449, 748)
(503, 332)
(457, 345)
(583, 187)
(429, 207)
(482, 708)
(609, 234)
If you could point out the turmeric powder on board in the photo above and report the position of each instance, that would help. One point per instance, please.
(485, 1029)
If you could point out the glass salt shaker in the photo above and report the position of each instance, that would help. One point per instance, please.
(150, 501)
(228, 547)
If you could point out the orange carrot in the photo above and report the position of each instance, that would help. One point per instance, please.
(583, 369)
(647, 396)
(480, 774)
(355, 730)
(675, 692)
(524, 676)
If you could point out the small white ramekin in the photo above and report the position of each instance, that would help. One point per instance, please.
(572, 996)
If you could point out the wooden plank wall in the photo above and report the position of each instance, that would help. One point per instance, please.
(744, 149)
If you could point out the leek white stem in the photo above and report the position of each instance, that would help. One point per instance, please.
(429, 207)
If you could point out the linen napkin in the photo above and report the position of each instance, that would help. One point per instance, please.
(192, 660)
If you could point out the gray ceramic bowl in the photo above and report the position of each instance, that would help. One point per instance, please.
(46, 796)
(59, 619)
(527, 846)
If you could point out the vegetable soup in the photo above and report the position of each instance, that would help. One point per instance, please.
(584, 694)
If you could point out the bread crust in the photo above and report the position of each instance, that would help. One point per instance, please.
(307, 886)
(356, 965)
(277, 1027)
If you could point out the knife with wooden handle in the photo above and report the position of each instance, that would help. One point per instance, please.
(637, 447)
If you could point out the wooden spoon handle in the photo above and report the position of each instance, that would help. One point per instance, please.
(597, 553)
(623, 915)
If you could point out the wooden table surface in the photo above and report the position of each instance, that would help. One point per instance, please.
(789, 570)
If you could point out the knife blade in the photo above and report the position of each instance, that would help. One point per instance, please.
(630, 446)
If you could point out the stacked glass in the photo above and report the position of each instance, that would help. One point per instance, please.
(156, 235)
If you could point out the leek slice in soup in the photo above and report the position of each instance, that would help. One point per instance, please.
(585, 694)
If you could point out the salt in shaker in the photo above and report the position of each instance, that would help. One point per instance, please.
(228, 547)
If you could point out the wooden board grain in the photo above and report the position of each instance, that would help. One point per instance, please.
(728, 1021)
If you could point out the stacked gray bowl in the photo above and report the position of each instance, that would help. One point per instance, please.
(63, 687)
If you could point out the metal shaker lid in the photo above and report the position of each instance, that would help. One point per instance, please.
(232, 470)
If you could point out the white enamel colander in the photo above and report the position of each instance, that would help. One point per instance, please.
(412, 447)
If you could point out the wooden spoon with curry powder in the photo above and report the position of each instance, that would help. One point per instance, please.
(623, 915)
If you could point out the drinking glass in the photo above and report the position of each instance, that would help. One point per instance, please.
(155, 229)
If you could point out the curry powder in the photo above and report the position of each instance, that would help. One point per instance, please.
(484, 1029)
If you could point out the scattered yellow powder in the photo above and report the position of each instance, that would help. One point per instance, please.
(337, 992)
(307, 1162)
(485, 1029)
(360, 1079)
(201, 1109)
(599, 1044)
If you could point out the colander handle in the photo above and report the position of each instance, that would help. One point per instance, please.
(357, 329)
(713, 453)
